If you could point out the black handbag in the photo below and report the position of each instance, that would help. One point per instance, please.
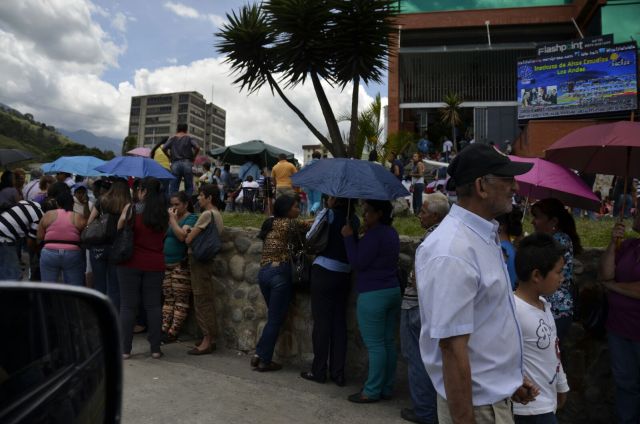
(207, 244)
(299, 260)
(122, 247)
(96, 233)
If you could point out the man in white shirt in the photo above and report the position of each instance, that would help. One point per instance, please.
(33, 187)
(447, 147)
(470, 340)
(249, 183)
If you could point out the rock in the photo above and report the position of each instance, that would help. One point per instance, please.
(239, 294)
(256, 248)
(219, 267)
(226, 247)
(247, 340)
(251, 272)
(242, 244)
(236, 266)
(401, 207)
(253, 294)
(249, 313)
(236, 315)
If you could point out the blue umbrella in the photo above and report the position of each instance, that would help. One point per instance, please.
(79, 165)
(135, 166)
(351, 178)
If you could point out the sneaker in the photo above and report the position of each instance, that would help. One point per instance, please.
(271, 366)
(408, 414)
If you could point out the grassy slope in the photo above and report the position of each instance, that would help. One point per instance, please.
(12, 143)
(592, 233)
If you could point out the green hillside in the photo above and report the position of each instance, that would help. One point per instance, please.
(21, 131)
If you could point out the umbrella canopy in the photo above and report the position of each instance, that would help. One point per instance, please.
(547, 179)
(79, 165)
(135, 166)
(257, 151)
(612, 149)
(144, 152)
(351, 178)
(8, 156)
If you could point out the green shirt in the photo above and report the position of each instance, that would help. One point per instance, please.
(174, 249)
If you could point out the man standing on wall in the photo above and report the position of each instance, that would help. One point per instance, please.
(281, 174)
(470, 339)
(181, 150)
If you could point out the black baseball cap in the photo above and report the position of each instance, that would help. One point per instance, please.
(478, 160)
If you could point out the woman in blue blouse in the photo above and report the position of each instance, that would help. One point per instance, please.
(551, 217)
(375, 259)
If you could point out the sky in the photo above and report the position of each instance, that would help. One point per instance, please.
(75, 64)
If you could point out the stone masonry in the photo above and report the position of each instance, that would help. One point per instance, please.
(242, 314)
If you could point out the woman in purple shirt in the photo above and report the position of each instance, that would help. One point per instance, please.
(620, 268)
(375, 259)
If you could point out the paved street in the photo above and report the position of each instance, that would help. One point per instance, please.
(221, 388)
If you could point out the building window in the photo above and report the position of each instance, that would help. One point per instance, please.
(196, 131)
(135, 101)
(135, 120)
(182, 118)
(184, 98)
(196, 121)
(135, 111)
(163, 110)
(183, 108)
(133, 130)
(159, 100)
(199, 103)
(198, 113)
(157, 130)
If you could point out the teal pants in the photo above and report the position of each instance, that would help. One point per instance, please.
(378, 313)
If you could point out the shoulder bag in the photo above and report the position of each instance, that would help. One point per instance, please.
(96, 233)
(122, 247)
(207, 244)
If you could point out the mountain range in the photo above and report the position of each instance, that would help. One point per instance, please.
(89, 139)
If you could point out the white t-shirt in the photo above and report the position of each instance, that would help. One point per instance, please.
(541, 357)
(246, 184)
(447, 146)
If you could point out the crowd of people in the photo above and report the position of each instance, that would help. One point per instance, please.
(482, 316)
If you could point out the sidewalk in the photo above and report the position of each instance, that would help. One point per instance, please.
(222, 388)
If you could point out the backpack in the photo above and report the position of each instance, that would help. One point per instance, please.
(318, 234)
(206, 244)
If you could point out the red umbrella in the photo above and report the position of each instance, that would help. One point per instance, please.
(547, 179)
(612, 149)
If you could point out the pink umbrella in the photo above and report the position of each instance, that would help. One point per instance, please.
(145, 152)
(201, 159)
(547, 179)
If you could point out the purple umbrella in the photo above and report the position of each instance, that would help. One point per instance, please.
(547, 179)
(145, 152)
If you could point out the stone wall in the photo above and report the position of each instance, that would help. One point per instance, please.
(242, 314)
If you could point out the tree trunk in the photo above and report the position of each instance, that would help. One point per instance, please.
(338, 150)
(353, 131)
(326, 143)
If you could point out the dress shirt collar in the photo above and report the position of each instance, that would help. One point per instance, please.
(487, 230)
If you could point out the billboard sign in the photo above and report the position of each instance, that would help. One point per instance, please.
(588, 81)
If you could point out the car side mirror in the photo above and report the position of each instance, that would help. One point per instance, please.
(60, 359)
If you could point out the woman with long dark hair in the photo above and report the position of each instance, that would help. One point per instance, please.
(551, 217)
(330, 287)
(143, 273)
(274, 276)
(9, 195)
(201, 284)
(176, 286)
(375, 258)
(105, 276)
(60, 229)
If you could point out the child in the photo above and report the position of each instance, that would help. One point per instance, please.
(539, 263)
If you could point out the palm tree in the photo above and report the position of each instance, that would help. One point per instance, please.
(397, 143)
(369, 129)
(450, 115)
(283, 43)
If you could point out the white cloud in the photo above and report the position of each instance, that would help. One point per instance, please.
(182, 10)
(185, 11)
(119, 22)
(63, 87)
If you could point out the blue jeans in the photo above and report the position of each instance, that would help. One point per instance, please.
(71, 263)
(9, 264)
(548, 418)
(377, 313)
(617, 205)
(423, 394)
(277, 290)
(418, 189)
(181, 169)
(105, 276)
(625, 366)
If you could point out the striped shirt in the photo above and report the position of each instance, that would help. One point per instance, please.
(20, 221)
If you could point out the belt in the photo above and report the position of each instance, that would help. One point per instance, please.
(7, 243)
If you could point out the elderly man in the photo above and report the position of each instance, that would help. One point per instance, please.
(423, 396)
(470, 339)
(20, 221)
